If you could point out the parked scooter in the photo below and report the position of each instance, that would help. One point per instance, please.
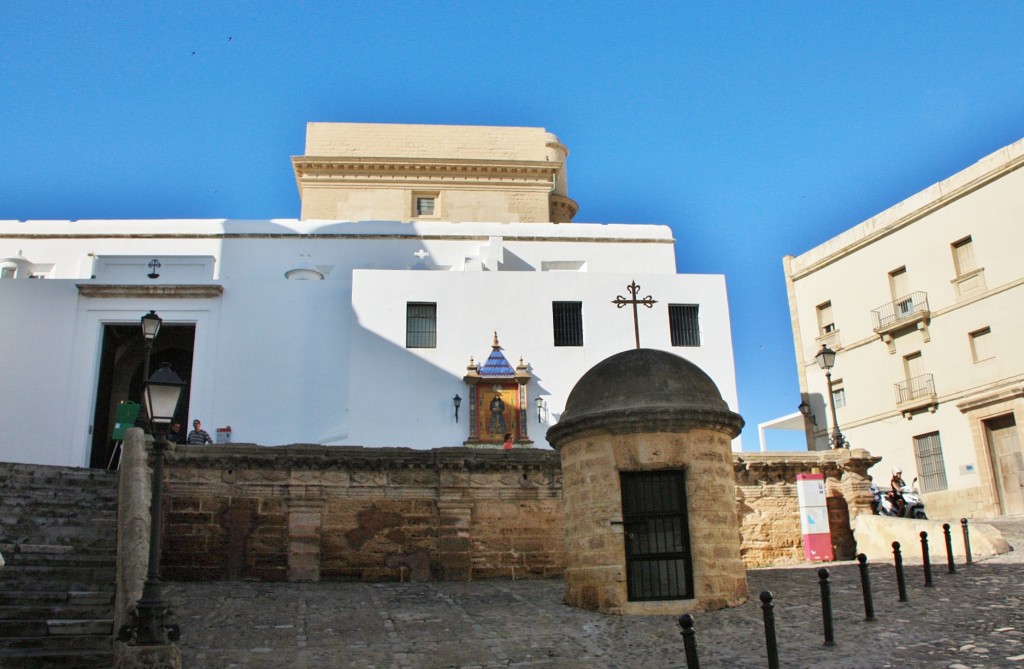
(913, 507)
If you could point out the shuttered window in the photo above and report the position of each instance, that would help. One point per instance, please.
(684, 324)
(930, 467)
(421, 325)
(963, 256)
(567, 318)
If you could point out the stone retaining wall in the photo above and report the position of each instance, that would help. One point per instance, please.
(306, 512)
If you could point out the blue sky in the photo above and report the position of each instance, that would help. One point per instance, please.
(753, 129)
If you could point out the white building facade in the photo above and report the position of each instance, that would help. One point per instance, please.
(924, 306)
(353, 330)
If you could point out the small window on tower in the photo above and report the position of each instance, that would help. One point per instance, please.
(424, 205)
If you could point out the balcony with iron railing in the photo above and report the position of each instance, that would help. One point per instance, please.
(916, 394)
(902, 312)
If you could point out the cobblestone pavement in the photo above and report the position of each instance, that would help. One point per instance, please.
(971, 619)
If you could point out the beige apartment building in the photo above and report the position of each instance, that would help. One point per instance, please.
(924, 306)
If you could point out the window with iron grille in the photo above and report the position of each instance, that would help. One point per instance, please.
(421, 325)
(930, 467)
(568, 323)
(684, 324)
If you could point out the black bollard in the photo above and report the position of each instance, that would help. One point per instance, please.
(769, 629)
(865, 586)
(967, 540)
(927, 560)
(949, 548)
(689, 641)
(901, 582)
(826, 606)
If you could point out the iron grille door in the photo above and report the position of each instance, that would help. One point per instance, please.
(658, 564)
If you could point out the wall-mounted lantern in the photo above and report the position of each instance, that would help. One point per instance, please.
(457, 401)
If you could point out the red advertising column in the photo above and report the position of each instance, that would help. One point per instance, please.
(810, 491)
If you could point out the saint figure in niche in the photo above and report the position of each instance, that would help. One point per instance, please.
(496, 425)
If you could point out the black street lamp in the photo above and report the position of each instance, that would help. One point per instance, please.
(826, 358)
(457, 401)
(163, 390)
(539, 403)
(150, 328)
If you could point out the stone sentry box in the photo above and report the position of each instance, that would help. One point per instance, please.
(645, 431)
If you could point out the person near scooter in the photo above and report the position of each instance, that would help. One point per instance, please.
(897, 484)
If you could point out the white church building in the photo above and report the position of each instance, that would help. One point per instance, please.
(429, 263)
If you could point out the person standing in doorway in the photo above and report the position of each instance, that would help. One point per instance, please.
(198, 436)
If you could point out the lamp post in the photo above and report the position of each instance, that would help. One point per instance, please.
(457, 401)
(539, 403)
(163, 390)
(826, 358)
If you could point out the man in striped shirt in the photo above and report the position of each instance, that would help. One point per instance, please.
(198, 436)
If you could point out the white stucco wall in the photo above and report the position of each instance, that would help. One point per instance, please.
(324, 361)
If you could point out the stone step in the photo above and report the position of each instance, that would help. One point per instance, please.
(94, 597)
(83, 627)
(57, 643)
(34, 578)
(36, 610)
(79, 559)
(92, 535)
(69, 659)
(76, 659)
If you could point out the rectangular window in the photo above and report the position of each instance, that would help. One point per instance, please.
(424, 206)
(7, 273)
(981, 344)
(684, 324)
(963, 256)
(421, 325)
(839, 393)
(568, 323)
(826, 322)
(930, 467)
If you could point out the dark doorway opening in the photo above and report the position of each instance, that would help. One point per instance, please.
(658, 562)
(121, 377)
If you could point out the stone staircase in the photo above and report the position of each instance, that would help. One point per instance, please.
(58, 535)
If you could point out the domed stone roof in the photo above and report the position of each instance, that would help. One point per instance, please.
(644, 390)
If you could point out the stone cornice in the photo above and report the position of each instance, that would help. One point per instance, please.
(997, 396)
(157, 291)
(952, 189)
(317, 457)
(644, 421)
(783, 467)
(526, 174)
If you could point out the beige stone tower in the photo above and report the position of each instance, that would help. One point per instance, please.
(384, 172)
(649, 489)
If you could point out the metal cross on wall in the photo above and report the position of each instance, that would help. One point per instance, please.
(620, 302)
